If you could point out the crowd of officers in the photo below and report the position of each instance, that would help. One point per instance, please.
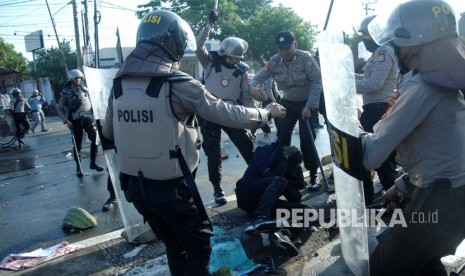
(404, 115)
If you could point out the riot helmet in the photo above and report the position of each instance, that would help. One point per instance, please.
(369, 43)
(74, 73)
(35, 92)
(15, 92)
(233, 47)
(167, 30)
(415, 22)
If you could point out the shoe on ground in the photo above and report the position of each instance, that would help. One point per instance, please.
(44, 130)
(262, 224)
(284, 243)
(79, 173)
(220, 197)
(313, 186)
(96, 167)
(109, 205)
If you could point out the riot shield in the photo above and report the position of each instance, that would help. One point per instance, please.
(337, 67)
(99, 82)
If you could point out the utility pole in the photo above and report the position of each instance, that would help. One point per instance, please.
(58, 40)
(86, 24)
(367, 6)
(96, 21)
(76, 36)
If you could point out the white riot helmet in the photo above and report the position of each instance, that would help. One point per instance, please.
(15, 92)
(233, 47)
(35, 92)
(75, 73)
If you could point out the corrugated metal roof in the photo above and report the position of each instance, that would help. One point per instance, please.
(6, 71)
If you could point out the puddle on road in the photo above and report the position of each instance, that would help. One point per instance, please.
(8, 166)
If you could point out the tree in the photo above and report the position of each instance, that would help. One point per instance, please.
(11, 59)
(49, 63)
(256, 21)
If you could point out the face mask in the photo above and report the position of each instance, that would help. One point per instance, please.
(370, 45)
(402, 66)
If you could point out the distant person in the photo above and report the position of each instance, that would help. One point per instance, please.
(36, 100)
(20, 109)
(7, 106)
(298, 76)
(75, 110)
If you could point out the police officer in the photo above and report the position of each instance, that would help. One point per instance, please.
(36, 100)
(20, 109)
(151, 114)
(75, 110)
(377, 85)
(426, 124)
(225, 76)
(298, 76)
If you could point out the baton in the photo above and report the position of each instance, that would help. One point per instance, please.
(315, 152)
(215, 6)
(78, 158)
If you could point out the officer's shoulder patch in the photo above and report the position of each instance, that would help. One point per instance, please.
(381, 55)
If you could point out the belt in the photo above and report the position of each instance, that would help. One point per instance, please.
(377, 105)
(35, 110)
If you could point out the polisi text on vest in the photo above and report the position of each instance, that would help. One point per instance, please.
(135, 116)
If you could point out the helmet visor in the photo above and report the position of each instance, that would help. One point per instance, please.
(383, 28)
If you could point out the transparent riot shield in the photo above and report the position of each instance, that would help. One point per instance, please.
(337, 67)
(99, 82)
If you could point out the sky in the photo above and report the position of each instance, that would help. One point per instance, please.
(22, 17)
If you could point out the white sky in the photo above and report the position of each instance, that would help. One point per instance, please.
(25, 16)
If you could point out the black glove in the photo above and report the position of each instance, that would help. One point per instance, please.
(213, 17)
(266, 129)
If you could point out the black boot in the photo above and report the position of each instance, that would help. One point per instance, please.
(93, 156)
(313, 186)
(220, 197)
(78, 171)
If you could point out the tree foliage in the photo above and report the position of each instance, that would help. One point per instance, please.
(255, 21)
(49, 63)
(11, 59)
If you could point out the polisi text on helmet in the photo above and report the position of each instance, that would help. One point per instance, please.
(437, 10)
(152, 19)
(135, 116)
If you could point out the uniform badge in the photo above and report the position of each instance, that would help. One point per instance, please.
(225, 81)
(381, 56)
